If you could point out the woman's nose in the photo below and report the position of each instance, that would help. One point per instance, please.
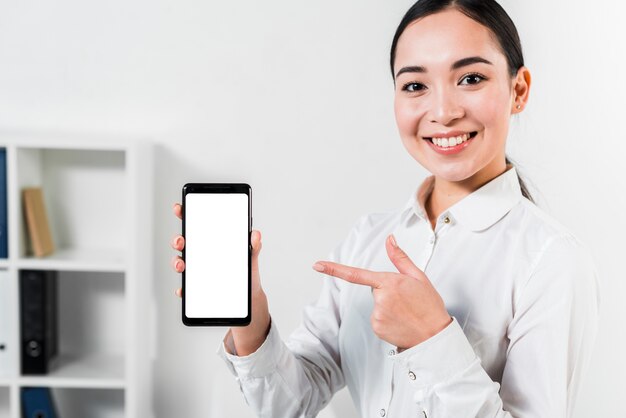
(444, 108)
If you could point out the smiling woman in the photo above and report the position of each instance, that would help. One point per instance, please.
(467, 301)
(471, 78)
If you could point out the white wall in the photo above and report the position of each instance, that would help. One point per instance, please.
(295, 98)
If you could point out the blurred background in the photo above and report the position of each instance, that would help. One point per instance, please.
(296, 99)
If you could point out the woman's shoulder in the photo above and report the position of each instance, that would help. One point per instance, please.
(541, 225)
(381, 222)
(543, 235)
(560, 262)
(373, 221)
(364, 231)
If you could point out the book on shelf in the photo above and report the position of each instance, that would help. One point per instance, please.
(37, 221)
(4, 242)
(37, 402)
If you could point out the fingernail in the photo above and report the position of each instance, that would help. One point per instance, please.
(178, 265)
(318, 267)
(393, 241)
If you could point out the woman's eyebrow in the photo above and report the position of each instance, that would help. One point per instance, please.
(456, 65)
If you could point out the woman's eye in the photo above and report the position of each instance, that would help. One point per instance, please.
(473, 79)
(413, 87)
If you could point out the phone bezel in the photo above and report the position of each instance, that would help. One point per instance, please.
(223, 188)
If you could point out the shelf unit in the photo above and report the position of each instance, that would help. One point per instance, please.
(98, 193)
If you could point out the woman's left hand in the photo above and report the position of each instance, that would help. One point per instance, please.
(407, 308)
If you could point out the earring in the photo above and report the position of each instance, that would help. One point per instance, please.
(518, 106)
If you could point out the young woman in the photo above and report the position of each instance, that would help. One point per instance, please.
(468, 301)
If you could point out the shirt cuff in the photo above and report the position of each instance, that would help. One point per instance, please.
(439, 358)
(257, 364)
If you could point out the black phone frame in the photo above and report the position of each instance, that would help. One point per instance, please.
(219, 188)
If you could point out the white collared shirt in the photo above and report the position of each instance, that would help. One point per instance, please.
(522, 291)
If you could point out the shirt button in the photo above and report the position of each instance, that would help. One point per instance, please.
(446, 220)
(432, 240)
(392, 352)
(382, 412)
(411, 375)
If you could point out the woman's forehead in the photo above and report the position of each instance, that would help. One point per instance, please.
(444, 37)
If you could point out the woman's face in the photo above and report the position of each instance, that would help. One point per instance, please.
(432, 99)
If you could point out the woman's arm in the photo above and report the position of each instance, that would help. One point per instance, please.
(550, 341)
(297, 378)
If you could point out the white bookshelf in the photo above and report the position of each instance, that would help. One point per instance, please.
(98, 193)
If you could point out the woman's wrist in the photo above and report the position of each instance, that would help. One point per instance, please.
(249, 338)
(439, 326)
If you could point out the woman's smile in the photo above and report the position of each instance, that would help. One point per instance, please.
(450, 144)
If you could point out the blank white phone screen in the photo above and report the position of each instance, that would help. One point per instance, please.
(216, 255)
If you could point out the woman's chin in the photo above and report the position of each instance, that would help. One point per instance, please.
(452, 172)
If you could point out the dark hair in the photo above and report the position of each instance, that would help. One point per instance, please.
(486, 12)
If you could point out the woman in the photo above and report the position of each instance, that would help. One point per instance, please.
(469, 301)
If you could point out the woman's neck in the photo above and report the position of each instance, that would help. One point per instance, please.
(447, 193)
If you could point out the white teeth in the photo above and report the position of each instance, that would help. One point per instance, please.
(450, 142)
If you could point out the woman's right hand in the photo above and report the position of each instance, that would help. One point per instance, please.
(250, 337)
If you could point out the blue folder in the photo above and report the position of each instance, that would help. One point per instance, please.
(37, 403)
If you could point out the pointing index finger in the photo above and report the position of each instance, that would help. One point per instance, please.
(350, 274)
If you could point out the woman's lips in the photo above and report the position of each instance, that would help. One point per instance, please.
(451, 149)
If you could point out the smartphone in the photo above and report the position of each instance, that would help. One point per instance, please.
(217, 225)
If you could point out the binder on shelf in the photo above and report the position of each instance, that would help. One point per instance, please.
(7, 320)
(38, 320)
(38, 403)
(37, 221)
(4, 241)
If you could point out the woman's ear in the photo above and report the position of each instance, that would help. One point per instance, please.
(521, 88)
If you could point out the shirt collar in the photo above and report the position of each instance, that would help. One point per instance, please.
(478, 210)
